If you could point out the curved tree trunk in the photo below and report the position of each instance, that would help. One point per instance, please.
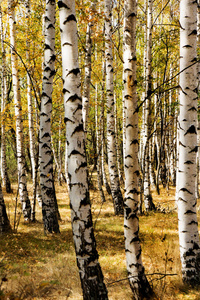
(21, 164)
(186, 179)
(49, 202)
(87, 257)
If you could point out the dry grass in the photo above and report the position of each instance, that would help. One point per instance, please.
(35, 266)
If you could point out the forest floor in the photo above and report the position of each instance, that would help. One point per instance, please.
(38, 266)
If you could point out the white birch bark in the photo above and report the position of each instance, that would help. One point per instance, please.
(87, 257)
(148, 201)
(22, 181)
(49, 211)
(137, 279)
(98, 147)
(188, 225)
(87, 79)
(111, 134)
(4, 172)
(32, 139)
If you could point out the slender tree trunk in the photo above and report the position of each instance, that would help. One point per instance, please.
(137, 279)
(99, 149)
(4, 172)
(188, 225)
(111, 134)
(87, 257)
(32, 138)
(4, 221)
(148, 201)
(49, 202)
(21, 164)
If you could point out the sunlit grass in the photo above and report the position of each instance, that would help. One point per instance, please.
(35, 266)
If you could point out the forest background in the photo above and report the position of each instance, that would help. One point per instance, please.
(163, 127)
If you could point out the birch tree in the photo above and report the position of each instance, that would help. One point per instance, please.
(111, 134)
(85, 246)
(49, 211)
(22, 181)
(137, 279)
(4, 172)
(186, 177)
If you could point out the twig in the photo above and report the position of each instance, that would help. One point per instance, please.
(151, 274)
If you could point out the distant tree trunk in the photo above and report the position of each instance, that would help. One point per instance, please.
(87, 79)
(99, 148)
(32, 138)
(187, 216)
(4, 172)
(49, 202)
(137, 279)
(111, 134)
(87, 257)
(4, 221)
(148, 201)
(21, 163)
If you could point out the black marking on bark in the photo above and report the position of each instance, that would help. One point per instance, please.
(75, 152)
(78, 128)
(67, 44)
(194, 150)
(181, 199)
(137, 172)
(74, 98)
(83, 165)
(50, 26)
(194, 59)
(43, 114)
(47, 69)
(129, 125)
(182, 144)
(67, 120)
(135, 239)
(53, 58)
(46, 134)
(46, 47)
(189, 212)
(128, 156)
(79, 106)
(192, 109)
(187, 46)
(61, 4)
(134, 191)
(134, 142)
(74, 71)
(194, 32)
(188, 162)
(53, 72)
(65, 91)
(45, 95)
(193, 222)
(185, 190)
(70, 18)
(191, 130)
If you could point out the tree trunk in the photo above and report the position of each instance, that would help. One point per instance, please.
(4, 172)
(137, 279)
(111, 134)
(21, 163)
(87, 257)
(4, 221)
(49, 202)
(188, 225)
